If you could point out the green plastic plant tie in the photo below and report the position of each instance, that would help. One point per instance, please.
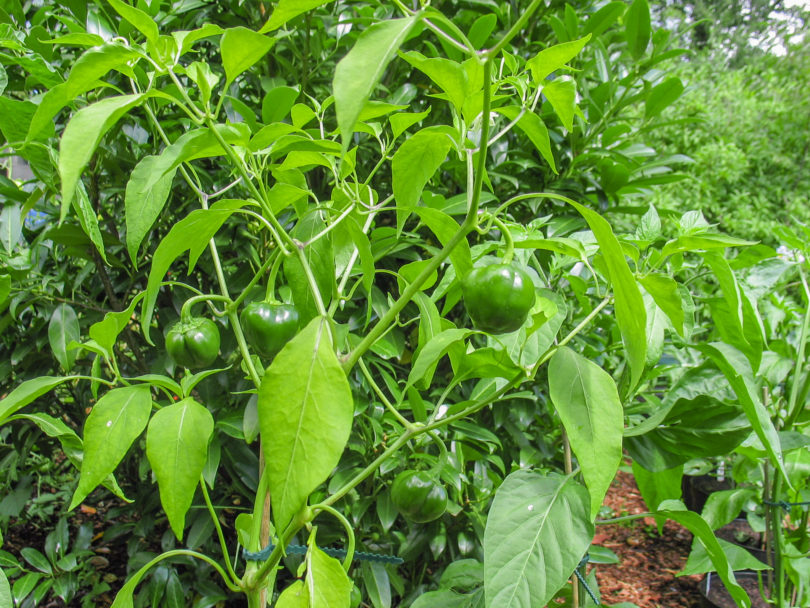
(786, 505)
(581, 577)
(261, 556)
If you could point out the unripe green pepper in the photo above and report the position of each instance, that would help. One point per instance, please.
(498, 297)
(193, 343)
(269, 326)
(419, 496)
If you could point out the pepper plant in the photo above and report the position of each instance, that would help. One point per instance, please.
(366, 231)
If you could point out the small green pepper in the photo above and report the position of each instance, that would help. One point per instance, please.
(419, 496)
(498, 297)
(193, 343)
(268, 326)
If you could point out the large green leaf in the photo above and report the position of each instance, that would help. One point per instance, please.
(144, 200)
(537, 531)
(142, 21)
(289, 9)
(450, 76)
(553, 58)
(84, 75)
(305, 416)
(63, 329)
(737, 370)
(664, 290)
(191, 234)
(587, 401)
(118, 418)
(241, 48)
(326, 581)
(534, 128)
(294, 596)
(321, 260)
(661, 96)
(562, 95)
(26, 392)
(82, 136)
(177, 447)
(630, 312)
(656, 487)
(414, 163)
(361, 69)
(637, 28)
(5, 591)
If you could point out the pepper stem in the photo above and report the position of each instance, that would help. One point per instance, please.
(436, 469)
(270, 295)
(507, 237)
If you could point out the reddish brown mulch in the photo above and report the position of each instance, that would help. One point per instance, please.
(646, 573)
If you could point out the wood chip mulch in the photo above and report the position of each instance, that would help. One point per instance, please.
(646, 574)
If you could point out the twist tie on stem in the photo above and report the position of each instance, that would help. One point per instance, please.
(786, 505)
(261, 556)
(581, 577)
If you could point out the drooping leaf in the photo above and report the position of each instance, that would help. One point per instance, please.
(656, 487)
(241, 48)
(106, 331)
(537, 531)
(191, 234)
(630, 312)
(562, 95)
(118, 418)
(360, 70)
(305, 416)
(177, 447)
(62, 330)
(142, 21)
(82, 136)
(289, 9)
(144, 202)
(554, 57)
(534, 128)
(414, 163)
(26, 392)
(587, 401)
(637, 28)
(326, 581)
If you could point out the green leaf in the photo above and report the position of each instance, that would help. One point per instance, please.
(118, 418)
(294, 596)
(289, 9)
(361, 69)
(664, 290)
(305, 416)
(537, 531)
(62, 330)
(106, 331)
(177, 447)
(82, 136)
(321, 259)
(5, 590)
(445, 227)
(191, 234)
(656, 487)
(534, 128)
(377, 581)
(277, 103)
(144, 200)
(141, 20)
(554, 57)
(421, 372)
(694, 523)
(402, 121)
(630, 312)
(10, 227)
(450, 76)
(661, 96)
(414, 163)
(5, 289)
(637, 28)
(326, 581)
(739, 558)
(702, 243)
(723, 506)
(241, 48)
(84, 75)
(737, 370)
(3, 84)
(604, 18)
(587, 401)
(88, 219)
(26, 392)
(562, 95)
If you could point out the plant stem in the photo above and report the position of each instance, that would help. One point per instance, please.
(223, 545)
(385, 401)
(347, 561)
(513, 31)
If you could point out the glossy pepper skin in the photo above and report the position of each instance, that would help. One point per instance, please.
(193, 343)
(419, 496)
(498, 297)
(268, 326)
